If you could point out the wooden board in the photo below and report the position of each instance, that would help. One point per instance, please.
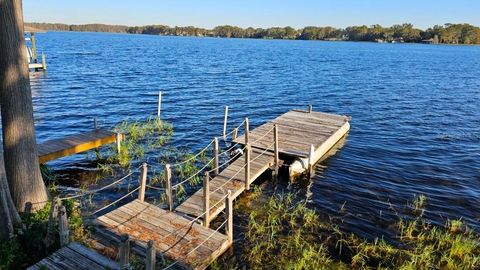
(74, 144)
(174, 236)
(75, 256)
(231, 178)
(297, 130)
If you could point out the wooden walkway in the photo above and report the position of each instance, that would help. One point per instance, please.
(75, 256)
(231, 178)
(174, 236)
(77, 143)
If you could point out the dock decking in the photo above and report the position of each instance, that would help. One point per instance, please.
(174, 236)
(75, 256)
(220, 184)
(54, 149)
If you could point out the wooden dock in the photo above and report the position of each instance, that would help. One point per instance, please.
(183, 235)
(74, 144)
(75, 256)
(188, 243)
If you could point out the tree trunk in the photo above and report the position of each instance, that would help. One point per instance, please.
(8, 212)
(19, 144)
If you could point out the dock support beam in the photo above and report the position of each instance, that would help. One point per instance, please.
(63, 226)
(143, 182)
(215, 155)
(168, 175)
(125, 252)
(225, 119)
(151, 256)
(159, 104)
(311, 161)
(206, 201)
(276, 155)
(248, 152)
(229, 212)
(246, 130)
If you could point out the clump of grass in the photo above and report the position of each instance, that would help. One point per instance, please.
(284, 234)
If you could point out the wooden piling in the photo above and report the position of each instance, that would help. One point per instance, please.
(225, 119)
(168, 174)
(310, 109)
(235, 134)
(248, 153)
(151, 256)
(50, 238)
(311, 161)
(44, 62)
(143, 182)
(246, 127)
(34, 47)
(229, 213)
(63, 226)
(125, 252)
(215, 155)
(276, 159)
(159, 104)
(206, 200)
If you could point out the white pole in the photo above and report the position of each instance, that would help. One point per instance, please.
(225, 123)
(159, 103)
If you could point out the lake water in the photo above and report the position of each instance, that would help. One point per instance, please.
(415, 109)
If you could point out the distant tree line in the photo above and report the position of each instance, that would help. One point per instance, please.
(449, 33)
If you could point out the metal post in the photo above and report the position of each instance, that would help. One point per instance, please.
(143, 182)
(247, 130)
(225, 119)
(168, 174)
(275, 145)
(215, 155)
(206, 200)
(63, 226)
(125, 252)
(159, 104)
(229, 212)
(151, 256)
(248, 152)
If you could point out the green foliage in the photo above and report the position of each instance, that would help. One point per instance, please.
(449, 34)
(284, 234)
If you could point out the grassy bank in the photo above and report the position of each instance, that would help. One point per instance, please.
(282, 234)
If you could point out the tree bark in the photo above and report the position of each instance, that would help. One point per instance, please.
(8, 212)
(19, 144)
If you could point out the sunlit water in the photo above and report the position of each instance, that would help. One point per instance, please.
(415, 109)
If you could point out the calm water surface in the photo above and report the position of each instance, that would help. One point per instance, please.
(415, 109)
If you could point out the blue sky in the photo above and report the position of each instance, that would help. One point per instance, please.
(259, 13)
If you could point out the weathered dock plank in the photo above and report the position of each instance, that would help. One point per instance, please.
(74, 144)
(75, 256)
(231, 178)
(174, 236)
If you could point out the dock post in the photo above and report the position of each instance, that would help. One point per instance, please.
(206, 201)
(125, 252)
(143, 182)
(151, 256)
(248, 152)
(275, 145)
(225, 119)
(168, 174)
(118, 140)
(95, 123)
(246, 130)
(34, 47)
(310, 109)
(229, 212)
(235, 134)
(159, 104)
(44, 62)
(215, 155)
(311, 161)
(63, 226)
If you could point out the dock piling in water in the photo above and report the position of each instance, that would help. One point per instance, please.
(225, 119)
(159, 107)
